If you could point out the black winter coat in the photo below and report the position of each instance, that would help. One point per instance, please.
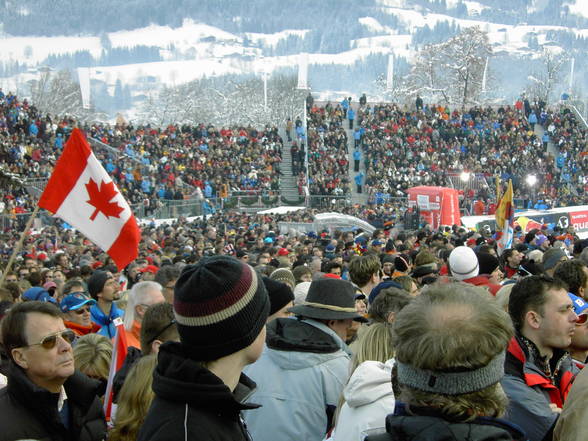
(192, 403)
(30, 412)
(427, 424)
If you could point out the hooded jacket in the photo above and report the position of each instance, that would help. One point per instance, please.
(425, 424)
(368, 399)
(28, 411)
(300, 376)
(191, 403)
(530, 391)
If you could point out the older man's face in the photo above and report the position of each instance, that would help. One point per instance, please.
(46, 366)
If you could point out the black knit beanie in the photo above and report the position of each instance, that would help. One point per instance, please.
(488, 263)
(279, 294)
(220, 306)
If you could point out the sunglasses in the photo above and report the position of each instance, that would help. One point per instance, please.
(582, 319)
(50, 340)
(161, 331)
(80, 311)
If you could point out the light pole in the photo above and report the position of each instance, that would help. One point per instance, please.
(465, 178)
(264, 74)
(531, 181)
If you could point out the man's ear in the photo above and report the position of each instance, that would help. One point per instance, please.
(19, 357)
(155, 344)
(533, 319)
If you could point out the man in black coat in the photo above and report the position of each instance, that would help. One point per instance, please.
(220, 308)
(45, 399)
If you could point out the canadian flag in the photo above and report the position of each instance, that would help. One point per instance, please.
(80, 192)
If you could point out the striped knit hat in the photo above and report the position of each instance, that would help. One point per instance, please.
(220, 306)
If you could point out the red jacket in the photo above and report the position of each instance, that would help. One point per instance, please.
(483, 281)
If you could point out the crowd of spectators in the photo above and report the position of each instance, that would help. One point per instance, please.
(402, 148)
(328, 160)
(390, 269)
(148, 164)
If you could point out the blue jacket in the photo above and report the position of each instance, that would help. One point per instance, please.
(299, 377)
(350, 114)
(108, 329)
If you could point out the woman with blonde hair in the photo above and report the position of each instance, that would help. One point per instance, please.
(368, 396)
(134, 400)
(92, 355)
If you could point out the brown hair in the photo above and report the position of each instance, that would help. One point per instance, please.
(362, 268)
(14, 323)
(389, 300)
(452, 327)
(157, 325)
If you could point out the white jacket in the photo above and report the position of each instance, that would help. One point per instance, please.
(368, 399)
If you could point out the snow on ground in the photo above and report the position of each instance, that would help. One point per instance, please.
(509, 38)
(373, 25)
(399, 44)
(167, 72)
(579, 7)
(162, 36)
(272, 40)
(475, 8)
(33, 50)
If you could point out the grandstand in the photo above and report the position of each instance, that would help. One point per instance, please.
(184, 170)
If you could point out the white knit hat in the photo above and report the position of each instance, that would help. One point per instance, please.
(463, 263)
(300, 292)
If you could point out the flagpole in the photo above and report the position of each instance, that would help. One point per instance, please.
(18, 245)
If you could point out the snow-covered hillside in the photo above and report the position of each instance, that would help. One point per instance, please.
(193, 49)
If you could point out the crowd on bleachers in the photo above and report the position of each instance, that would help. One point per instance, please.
(401, 148)
(147, 163)
(326, 321)
(328, 161)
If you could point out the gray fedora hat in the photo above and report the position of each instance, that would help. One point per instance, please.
(329, 299)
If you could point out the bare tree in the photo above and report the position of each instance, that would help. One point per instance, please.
(452, 71)
(543, 81)
(58, 93)
(232, 100)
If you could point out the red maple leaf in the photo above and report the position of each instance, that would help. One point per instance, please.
(100, 199)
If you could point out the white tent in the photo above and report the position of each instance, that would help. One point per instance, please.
(342, 221)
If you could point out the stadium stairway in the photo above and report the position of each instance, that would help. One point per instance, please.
(288, 182)
(356, 198)
(551, 148)
(553, 151)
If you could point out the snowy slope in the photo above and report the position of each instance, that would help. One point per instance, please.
(194, 50)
